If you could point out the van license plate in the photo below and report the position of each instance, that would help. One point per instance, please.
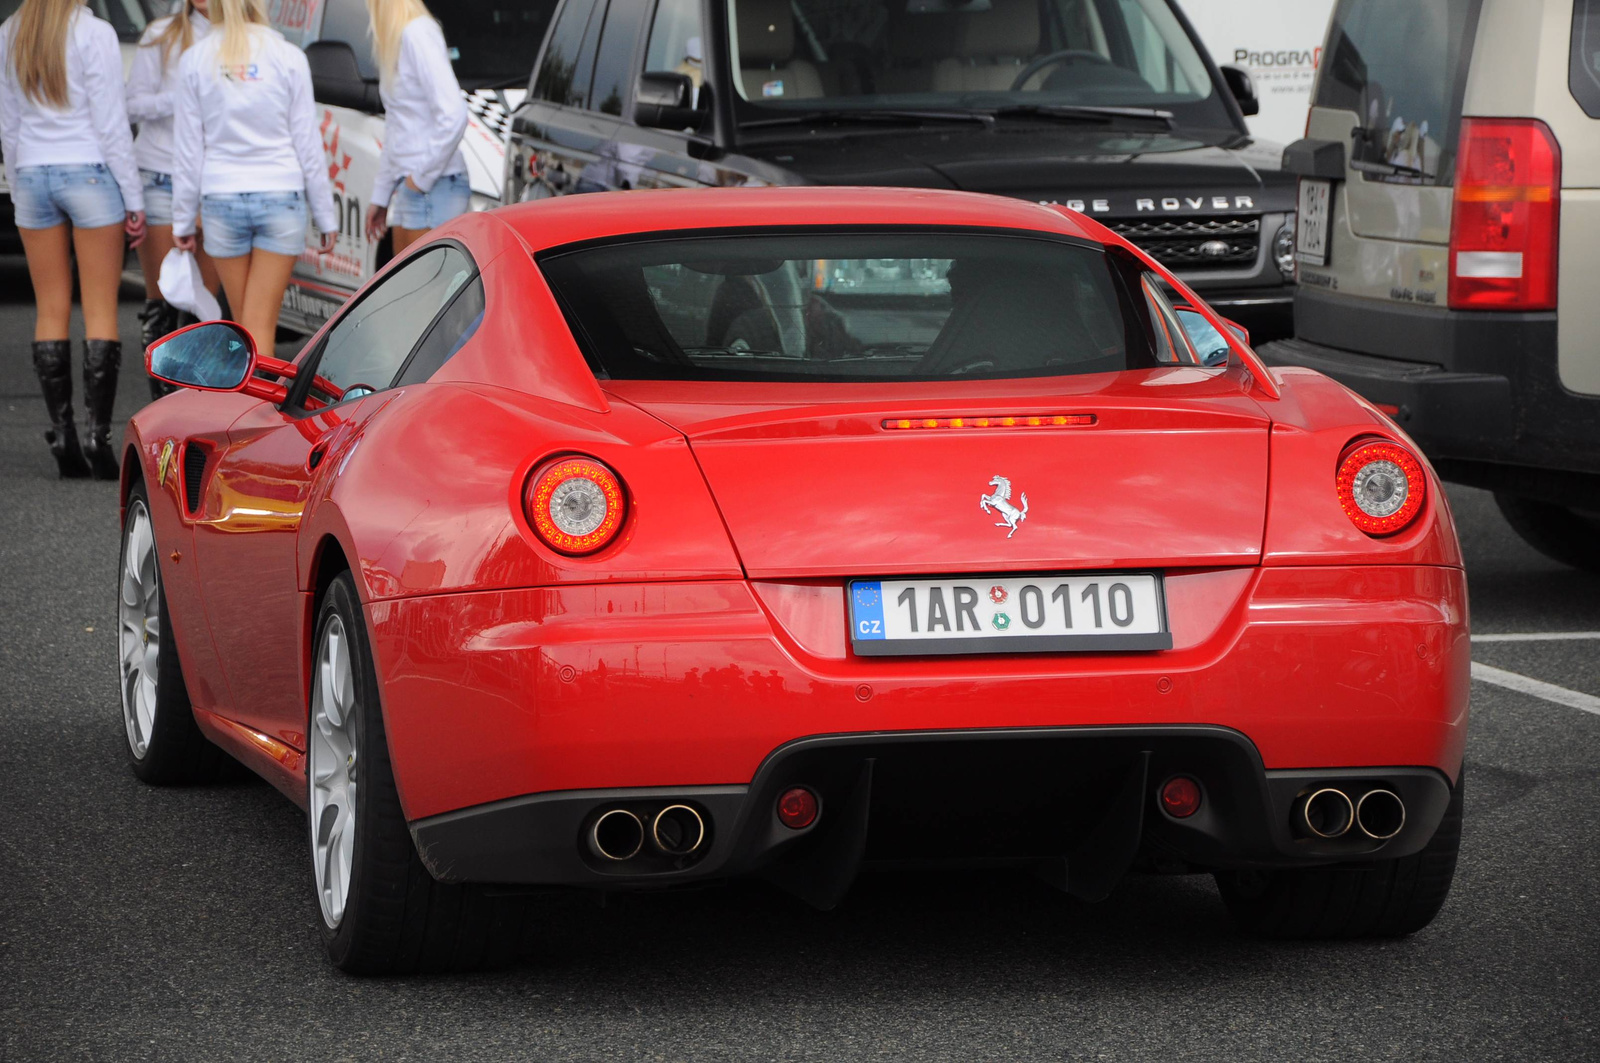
(1311, 226)
(1070, 612)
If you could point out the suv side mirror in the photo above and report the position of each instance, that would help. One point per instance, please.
(210, 356)
(336, 78)
(664, 99)
(1243, 88)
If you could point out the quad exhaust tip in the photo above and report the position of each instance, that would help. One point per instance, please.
(1327, 813)
(616, 835)
(678, 830)
(1380, 814)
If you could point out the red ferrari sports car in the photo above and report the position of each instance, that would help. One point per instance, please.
(646, 539)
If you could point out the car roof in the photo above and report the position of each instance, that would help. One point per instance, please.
(554, 222)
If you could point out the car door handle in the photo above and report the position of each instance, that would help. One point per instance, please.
(318, 452)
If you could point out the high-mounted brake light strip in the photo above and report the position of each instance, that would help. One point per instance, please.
(1023, 420)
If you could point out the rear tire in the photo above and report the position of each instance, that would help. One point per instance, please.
(383, 913)
(1388, 898)
(1559, 533)
(165, 746)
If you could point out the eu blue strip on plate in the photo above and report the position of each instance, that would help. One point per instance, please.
(868, 611)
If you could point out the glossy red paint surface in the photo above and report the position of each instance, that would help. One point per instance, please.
(713, 628)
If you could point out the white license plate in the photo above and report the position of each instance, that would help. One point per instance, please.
(1073, 612)
(1311, 222)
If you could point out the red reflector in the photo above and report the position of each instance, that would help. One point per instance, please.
(993, 420)
(1506, 219)
(1380, 486)
(1180, 797)
(1392, 411)
(797, 807)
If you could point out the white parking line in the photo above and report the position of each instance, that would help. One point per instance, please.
(1540, 636)
(1538, 688)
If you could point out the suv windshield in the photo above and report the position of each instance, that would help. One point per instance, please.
(492, 42)
(847, 307)
(1401, 66)
(1041, 58)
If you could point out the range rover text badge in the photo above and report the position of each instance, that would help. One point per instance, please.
(1000, 502)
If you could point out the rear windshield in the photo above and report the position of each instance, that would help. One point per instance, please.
(1401, 65)
(1583, 73)
(847, 306)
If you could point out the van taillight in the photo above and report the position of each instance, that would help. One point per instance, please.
(1504, 228)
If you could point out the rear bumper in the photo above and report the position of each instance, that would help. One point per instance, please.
(1078, 804)
(499, 696)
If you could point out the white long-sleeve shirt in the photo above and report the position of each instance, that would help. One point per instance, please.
(251, 127)
(151, 91)
(92, 128)
(424, 114)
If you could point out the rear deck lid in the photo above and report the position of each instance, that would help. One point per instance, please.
(1161, 468)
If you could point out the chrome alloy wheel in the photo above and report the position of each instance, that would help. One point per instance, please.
(334, 745)
(139, 628)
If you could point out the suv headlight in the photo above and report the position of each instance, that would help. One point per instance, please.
(1283, 249)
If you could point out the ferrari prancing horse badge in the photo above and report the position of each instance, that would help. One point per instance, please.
(1000, 502)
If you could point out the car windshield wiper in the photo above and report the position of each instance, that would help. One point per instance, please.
(875, 115)
(1390, 169)
(745, 354)
(1076, 113)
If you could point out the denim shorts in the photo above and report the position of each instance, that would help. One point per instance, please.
(235, 222)
(157, 197)
(449, 197)
(85, 193)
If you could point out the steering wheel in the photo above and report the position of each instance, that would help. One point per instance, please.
(1066, 55)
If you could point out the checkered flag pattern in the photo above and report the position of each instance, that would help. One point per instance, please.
(488, 106)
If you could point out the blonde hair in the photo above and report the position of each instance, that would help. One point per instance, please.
(39, 49)
(177, 37)
(237, 19)
(389, 20)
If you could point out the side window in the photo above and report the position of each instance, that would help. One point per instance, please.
(559, 79)
(367, 346)
(613, 68)
(1583, 71)
(343, 20)
(676, 44)
(448, 335)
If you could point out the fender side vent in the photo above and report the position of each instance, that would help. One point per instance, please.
(194, 474)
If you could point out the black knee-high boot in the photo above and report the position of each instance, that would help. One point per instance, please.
(52, 362)
(158, 318)
(101, 360)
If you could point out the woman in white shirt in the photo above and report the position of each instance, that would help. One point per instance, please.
(69, 161)
(247, 161)
(422, 175)
(151, 81)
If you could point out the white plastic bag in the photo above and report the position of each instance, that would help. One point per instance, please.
(182, 286)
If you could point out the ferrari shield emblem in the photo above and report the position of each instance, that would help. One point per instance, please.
(999, 501)
(163, 463)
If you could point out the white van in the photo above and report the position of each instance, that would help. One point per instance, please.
(492, 47)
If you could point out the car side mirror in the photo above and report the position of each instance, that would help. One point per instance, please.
(1243, 87)
(210, 356)
(1208, 343)
(336, 78)
(664, 99)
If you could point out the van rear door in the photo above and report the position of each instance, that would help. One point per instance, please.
(1390, 89)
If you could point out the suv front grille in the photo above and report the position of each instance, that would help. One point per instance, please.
(1195, 243)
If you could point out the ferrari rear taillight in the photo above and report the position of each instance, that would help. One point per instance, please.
(1381, 486)
(575, 504)
(1506, 220)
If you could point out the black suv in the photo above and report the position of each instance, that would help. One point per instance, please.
(1111, 107)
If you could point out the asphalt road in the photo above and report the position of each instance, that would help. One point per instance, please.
(138, 923)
